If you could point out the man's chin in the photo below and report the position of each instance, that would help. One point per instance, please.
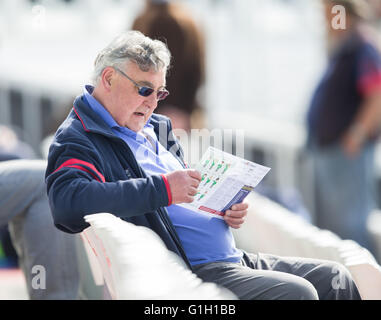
(137, 125)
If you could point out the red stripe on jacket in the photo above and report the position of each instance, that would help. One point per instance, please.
(370, 83)
(76, 163)
(80, 119)
(169, 193)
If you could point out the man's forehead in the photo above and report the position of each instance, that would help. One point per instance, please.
(146, 78)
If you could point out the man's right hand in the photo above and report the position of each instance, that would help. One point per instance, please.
(183, 185)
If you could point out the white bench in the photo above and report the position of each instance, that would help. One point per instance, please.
(135, 264)
(374, 229)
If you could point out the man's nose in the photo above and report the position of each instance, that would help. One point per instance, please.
(152, 98)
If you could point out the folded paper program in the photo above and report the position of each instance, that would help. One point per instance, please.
(225, 180)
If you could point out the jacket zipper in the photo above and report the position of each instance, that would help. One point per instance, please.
(162, 214)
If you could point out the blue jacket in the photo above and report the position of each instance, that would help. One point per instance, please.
(91, 170)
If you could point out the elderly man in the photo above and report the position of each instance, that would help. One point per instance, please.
(113, 154)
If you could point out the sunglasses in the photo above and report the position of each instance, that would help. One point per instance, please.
(145, 91)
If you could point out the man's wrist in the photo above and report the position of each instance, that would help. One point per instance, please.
(168, 188)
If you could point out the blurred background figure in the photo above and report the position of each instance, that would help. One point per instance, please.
(172, 22)
(344, 120)
(375, 6)
(46, 255)
(10, 148)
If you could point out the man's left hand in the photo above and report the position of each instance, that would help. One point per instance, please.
(236, 215)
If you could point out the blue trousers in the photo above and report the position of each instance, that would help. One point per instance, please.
(344, 191)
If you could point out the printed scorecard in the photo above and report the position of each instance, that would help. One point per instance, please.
(226, 180)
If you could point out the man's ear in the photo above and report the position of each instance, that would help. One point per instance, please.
(107, 76)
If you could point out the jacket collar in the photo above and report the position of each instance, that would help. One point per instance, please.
(91, 121)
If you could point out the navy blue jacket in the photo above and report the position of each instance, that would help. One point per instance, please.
(91, 170)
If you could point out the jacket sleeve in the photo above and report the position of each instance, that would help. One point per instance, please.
(76, 187)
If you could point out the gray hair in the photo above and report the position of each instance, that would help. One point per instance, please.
(132, 46)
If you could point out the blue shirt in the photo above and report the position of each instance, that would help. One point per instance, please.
(204, 238)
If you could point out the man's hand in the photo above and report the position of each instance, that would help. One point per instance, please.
(353, 140)
(183, 185)
(236, 215)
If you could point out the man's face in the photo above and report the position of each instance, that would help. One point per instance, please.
(128, 108)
